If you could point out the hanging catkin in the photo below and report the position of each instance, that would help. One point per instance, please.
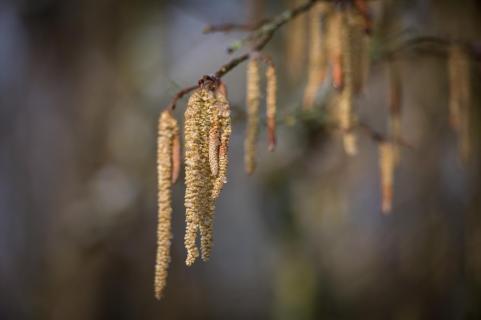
(220, 118)
(334, 46)
(295, 43)
(166, 149)
(360, 42)
(271, 102)
(198, 178)
(253, 102)
(347, 89)
(317, 54)
(223, 113)
(460, 95)
(207, 134)
(386, 168)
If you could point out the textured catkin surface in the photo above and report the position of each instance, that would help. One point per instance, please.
(197, 167)
(206, 119)
(168, 133)
(223, 115)
(220, 119)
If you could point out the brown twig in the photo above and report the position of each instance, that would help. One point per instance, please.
(271, 25)
(229, 27)
(378, 137)
(263, 35)
(179, 95)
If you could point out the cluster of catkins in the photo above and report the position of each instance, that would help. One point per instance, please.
(207, 131)
(253, 99)
(338, 55)
(339, 34)
(207, 135)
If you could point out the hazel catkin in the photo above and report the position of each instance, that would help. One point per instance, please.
(252, 122)
(346, 94)
(386, 167)
(198, 180)
(168, 133)
(271, 106)
(207, 134)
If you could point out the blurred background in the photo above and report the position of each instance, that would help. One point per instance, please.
(81, 86)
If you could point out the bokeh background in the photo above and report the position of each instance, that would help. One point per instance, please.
(81, 86)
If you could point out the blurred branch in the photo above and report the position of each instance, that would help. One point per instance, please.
(261, 36)
(228, 27)
(378, 137)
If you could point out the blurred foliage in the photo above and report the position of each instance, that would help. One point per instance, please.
(81, 85)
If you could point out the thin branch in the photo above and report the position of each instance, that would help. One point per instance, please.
(228, 27)
(378, 137)
(263, 34)
(271, 25)
(179, 95)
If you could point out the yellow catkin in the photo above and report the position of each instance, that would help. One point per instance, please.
(386, 168)
(271, 106)
(168, 131)
(345, 109)
(295, 44)
(220, 118)
(207, 135)
(252, 129)
(198, 180)
(225, 133)
(317, 54)
(460, 96)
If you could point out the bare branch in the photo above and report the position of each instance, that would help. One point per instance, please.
(263, 35)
